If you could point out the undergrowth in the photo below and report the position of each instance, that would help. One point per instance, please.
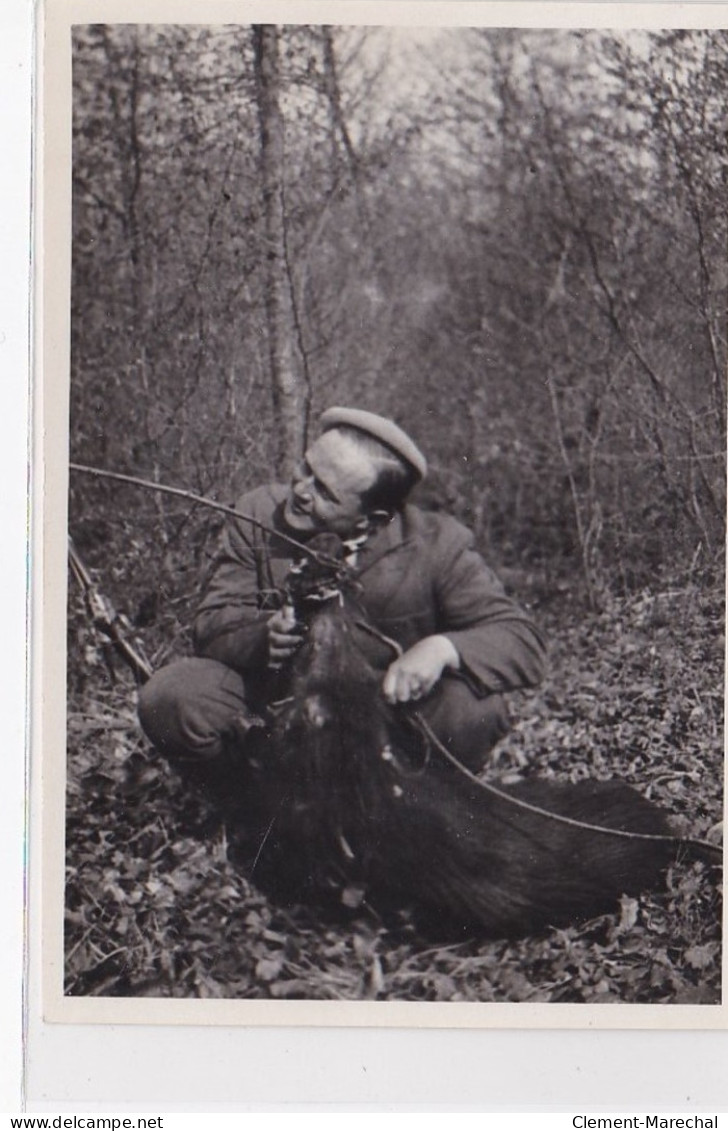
(156, 905)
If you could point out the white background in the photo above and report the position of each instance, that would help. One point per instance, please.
(89, 1068)
(15, 72)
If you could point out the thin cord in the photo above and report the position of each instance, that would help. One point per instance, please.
(705, 845)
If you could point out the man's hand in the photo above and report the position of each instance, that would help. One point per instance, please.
(283, 639)
(417, 671)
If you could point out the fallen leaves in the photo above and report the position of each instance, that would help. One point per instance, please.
(157, 907)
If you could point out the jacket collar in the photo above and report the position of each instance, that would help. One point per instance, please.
(388, 540)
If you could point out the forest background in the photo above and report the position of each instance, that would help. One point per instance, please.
(513, 242)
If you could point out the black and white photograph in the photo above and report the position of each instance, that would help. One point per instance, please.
(396, 509)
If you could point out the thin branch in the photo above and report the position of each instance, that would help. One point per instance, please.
(105, 619)
(202, 500)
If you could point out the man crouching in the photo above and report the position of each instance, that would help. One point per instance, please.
(422, 584)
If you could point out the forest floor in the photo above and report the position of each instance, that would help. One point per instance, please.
(157, 907)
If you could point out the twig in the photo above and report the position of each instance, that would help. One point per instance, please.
(86, 934)
(105, 619)
(262, 843)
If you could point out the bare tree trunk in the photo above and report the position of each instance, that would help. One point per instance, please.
(290, 394)
(337, 121)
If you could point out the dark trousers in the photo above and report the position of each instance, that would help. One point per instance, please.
(195, 710)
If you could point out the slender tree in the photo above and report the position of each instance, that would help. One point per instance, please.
(291, 398)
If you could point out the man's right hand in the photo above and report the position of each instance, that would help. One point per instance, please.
(283, 637)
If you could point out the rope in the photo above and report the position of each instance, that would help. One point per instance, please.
(396, 648)
(685, 842)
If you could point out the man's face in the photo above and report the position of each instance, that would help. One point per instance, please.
(325, 492)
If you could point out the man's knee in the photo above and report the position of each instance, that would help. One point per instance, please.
(188, 708)
(467, 725)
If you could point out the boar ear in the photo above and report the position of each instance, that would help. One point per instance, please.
(375, 520)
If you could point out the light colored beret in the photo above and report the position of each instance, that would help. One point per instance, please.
(386, 431)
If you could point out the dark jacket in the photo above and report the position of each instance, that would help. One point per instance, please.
(419, 575)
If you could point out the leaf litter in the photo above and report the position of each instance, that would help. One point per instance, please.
(155, 906)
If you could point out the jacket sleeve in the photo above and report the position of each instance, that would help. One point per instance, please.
(231, 620)
(500, 648)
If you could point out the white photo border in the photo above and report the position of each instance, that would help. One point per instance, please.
(50, 462)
